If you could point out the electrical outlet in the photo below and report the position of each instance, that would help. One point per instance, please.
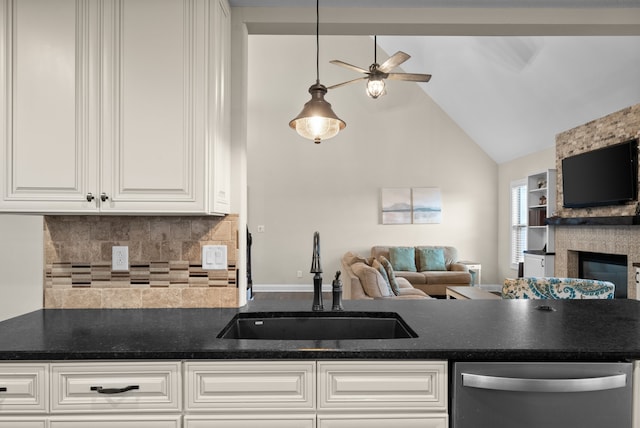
(299, 274)
(261, 228)
(119, 258)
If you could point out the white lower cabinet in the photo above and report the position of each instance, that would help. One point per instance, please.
(329, 394)
(536, 265)
(116, 422)
(21, 422)
(251, 421)
(224, 394)
(116, 387)
(24, 388)
(368, 420)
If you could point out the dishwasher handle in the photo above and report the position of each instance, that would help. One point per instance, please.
(543, 385)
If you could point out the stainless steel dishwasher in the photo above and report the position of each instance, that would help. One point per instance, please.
(542, 395)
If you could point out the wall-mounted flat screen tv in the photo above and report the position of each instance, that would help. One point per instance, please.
(606, 176)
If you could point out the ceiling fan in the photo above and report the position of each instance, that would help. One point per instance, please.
(377, 73)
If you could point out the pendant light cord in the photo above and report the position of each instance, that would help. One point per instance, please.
(318, 41)
(375, 51)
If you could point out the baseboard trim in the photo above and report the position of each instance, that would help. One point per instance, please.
(288, 288)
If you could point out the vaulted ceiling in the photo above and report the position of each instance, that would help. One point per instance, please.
(512, 95)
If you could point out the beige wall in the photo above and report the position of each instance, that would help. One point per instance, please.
(21, 261)
(508, 172)
(403, 139)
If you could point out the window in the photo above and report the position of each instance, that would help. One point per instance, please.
(518, 221)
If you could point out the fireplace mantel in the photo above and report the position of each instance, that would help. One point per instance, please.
(630, 220)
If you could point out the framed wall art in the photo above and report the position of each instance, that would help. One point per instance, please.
(417, 205)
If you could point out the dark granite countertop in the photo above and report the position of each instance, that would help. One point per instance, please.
(585, 330)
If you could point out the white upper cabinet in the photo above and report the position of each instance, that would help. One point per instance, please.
(49, 158)
(115, 106)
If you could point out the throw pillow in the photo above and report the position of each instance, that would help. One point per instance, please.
(372, 281)
(377, 265)
(403, 258)
(432, 259)
(390, 275)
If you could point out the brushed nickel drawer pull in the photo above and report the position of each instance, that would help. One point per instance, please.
(101, 390)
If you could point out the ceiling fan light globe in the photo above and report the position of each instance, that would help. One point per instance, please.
(317, 121)
(375, 88)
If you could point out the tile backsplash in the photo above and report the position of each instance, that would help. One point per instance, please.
(165, 263)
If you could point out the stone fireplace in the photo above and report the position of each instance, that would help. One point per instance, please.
(610, 230)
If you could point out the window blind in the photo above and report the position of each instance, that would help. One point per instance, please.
(518, 221)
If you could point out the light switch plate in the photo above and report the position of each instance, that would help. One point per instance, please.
(214, 257)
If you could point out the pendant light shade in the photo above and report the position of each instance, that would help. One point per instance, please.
(317, 121)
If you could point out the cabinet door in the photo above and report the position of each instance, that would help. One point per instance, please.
(220, 117)
(383, 421)
(24, 388)
(107, 421)
(155, 58)
(382, 385)
(20, 422)
(47, 128)
(250, 386)
(251, 421)
(116, 387)
(538, 265)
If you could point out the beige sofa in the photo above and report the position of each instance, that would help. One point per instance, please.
(433, 283)
(362, 281)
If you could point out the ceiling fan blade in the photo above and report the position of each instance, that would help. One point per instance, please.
(411, 77)
(394, 60)
(346, 83)
(349, 66)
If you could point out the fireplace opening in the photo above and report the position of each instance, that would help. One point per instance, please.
(605, 267)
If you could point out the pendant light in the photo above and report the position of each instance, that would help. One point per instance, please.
(317, 121)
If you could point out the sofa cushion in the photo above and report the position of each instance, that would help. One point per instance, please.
(412, 292)
(447, 277)
(372, 281)
(412, 277)
(391, 276)
(403, 258)
(431, 259)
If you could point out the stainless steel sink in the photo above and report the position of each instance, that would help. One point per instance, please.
(317, 326)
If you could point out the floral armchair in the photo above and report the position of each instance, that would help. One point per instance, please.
(557, 288)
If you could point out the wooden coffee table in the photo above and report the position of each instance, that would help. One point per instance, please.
(466, 292)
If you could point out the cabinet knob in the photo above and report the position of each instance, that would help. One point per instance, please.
(90, 197)
(103, 197)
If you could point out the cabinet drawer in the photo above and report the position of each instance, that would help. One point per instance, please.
(383, 421)
(105, 421)
(116, 387)
(251, 421)
(18, 422)
(250, 385)
(382, 385)
(23, 388)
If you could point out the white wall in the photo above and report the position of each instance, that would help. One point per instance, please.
(403, 139)
(508, 172)
(21, 264)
